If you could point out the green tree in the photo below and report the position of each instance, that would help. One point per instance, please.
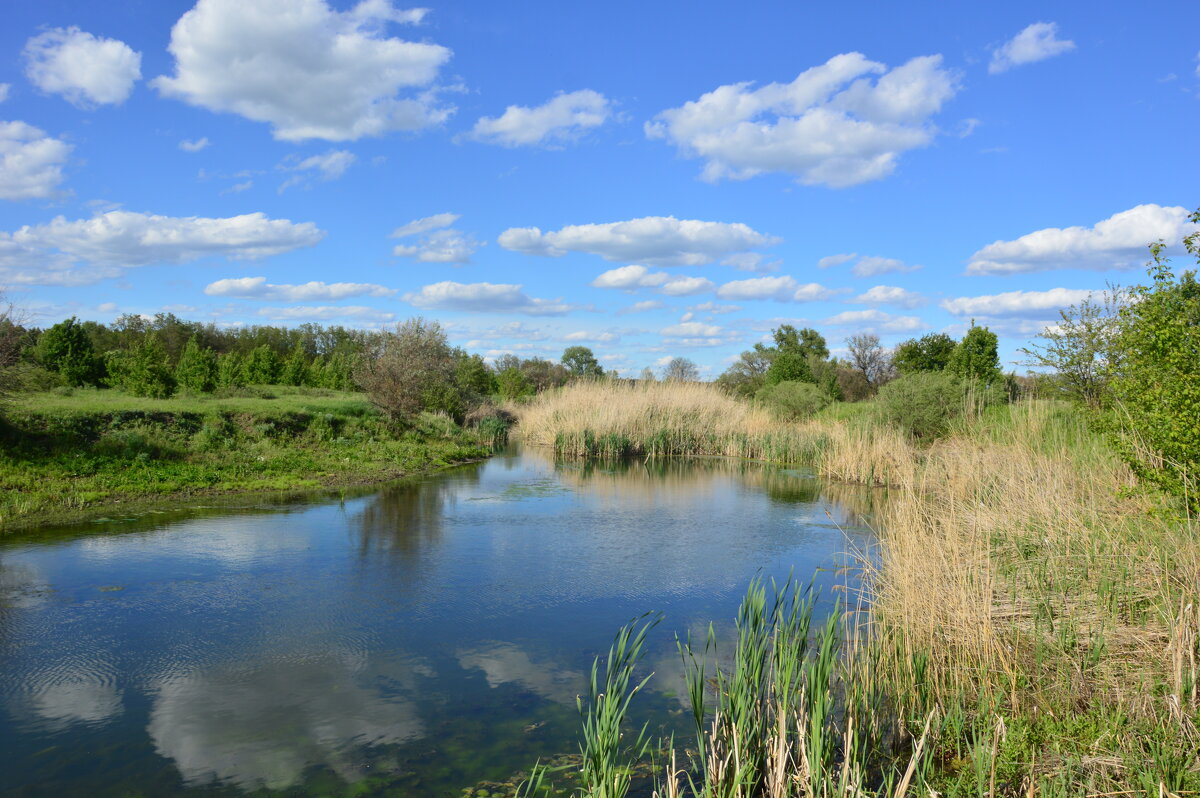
(1155, 379)
(928, 353)
(262, 367)
(792, 401)
(411, 369)
(870, 360)
(748, 373)
(146, 370)
(580, 362)
(473, 377)
(196, 370)
(788, 366)
(67, 349)
(1080, 348)
(976, 357)
(295, 369)
(231, 371)
(513, 384)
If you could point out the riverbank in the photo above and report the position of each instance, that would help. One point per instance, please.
(69, 456)
(1032, 626)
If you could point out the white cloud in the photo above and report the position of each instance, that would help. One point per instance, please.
(441, 246)
(327, 166)
(687, 286)
(876, 321)
(4, 87)
(692, 329)
(1117, 242)
(641, 307)
(194, 145)
(484, 298)
(628, 278)
(714, 307)
(833, 125)
(87, 71)
(30, 162)
(425, 224)
(866, 265)
(326, 312)
(1027, 304)
(1036, 43)
(657, 240)
(309, 71)
(106, 244)
(782, 289)
(829, 261)
(259, 288)
(592, 337)
(752, 262)
(562, 118)
(891, 295)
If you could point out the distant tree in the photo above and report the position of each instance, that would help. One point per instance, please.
(1080, 347)
(680, 369)
(513, 384)
(928, 353)
(412, 369)
(505, 362)
(788, 366)
(748, 373)
(580, 362)
(543, 374)
(812, 344)
(197, 369)
(869, 359)
(66, 349)
(146, 371)
(473, 377)
(12, 335)
(262, 366)
(976, 357)
(648, 375)
(294, 370)
(792, 401)
(231, 372)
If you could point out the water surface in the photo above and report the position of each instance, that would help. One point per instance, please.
(412, 641)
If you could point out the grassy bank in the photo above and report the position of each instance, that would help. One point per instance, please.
(66, 456)
(1032, 625)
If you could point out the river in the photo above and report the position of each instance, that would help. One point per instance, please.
(413, 640)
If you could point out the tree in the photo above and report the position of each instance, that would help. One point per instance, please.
(580, 362)
(788, 366)
(294, 370)
(411, 369)
(647, 375)
(66, 348)
(196, 370)
(680, 369)
(748, 373)
(928, 353)
(976, 356)
(543, 374)
(1080, 347)
(472, 376)
(870, 360)
(513, 384)
(1155, 379)
(231, 372)
(262, 367)
(12, 334)
(145, 370)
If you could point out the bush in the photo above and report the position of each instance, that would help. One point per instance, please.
(926, 405)
(413, 369)
(791, 401)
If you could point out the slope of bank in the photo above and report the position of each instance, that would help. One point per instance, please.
(67, 457)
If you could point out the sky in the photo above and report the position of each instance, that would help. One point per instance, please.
(650, 180)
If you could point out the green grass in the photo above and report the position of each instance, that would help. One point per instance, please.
(65, 457)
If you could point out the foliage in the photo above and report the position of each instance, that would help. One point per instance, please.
(144, 370)
(748, 373)
(976, 357)
(472, 377)
(791, 401)
(262, 366)
(870, 360)
(580, 362)
(197, 368)
(681, 369)
(1079, 347)
(788, 367)
(512, 384)
(294, 370)
(928, 353)
(66, 348)
(412, 370)
(927, 405)
(12, 335)
(1155, 382)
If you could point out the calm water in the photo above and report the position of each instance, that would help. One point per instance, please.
(412, 641)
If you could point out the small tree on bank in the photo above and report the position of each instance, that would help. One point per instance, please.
(680, 369)
(412, 369)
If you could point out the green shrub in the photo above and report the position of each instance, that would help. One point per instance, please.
(791, 401)
(927, 405)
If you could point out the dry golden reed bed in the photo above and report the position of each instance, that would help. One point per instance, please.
(1027, 595)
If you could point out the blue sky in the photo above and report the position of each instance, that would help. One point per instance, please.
(648, 179)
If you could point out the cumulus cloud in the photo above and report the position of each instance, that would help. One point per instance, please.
(562, 118)
(1037, 42)
(86, 70)
(82, 251)
(752, 262)
(194, 145)
(306, 69)
(326, 166)
(30, 162)
(875, 321)
(687, 286)
(657, 240)
(867, 265)
(437, 245)
(259, 288)
(839, 124)
(632, 277)
(782, 289)
(692, 329)
(891, 295)
(641, 307)
(326, 312)
(714, 307)
(484, 298)
(592, 337)
(1118, 242)
(1026, 304)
